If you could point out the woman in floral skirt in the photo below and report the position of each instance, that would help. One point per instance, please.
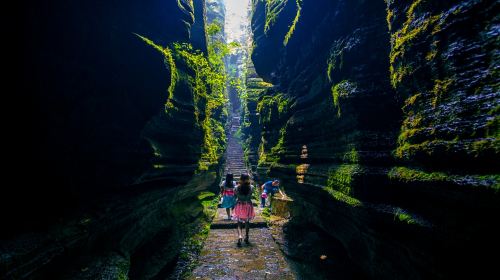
(243, 212)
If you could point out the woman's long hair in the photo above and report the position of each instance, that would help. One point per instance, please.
(244, 188)
(229, 181)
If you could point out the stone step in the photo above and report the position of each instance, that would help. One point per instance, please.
(234, 225)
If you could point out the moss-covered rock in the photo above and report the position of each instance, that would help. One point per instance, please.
(389, 137)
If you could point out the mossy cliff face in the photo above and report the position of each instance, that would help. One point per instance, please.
(127, 114)
(382, 124)
(441, 55)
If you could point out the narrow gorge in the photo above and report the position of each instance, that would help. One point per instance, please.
(380, 118)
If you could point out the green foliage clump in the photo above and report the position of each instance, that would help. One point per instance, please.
(268, 103)
(209, 99)
(266, 212)
(342, 89)
(294, 23)
(275, 152)
(351, 156)
(341, 178)
(339, 196)
(278, 149)
(214, 28)
(404, 217)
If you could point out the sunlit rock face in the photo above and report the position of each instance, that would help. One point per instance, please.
(112, 174)
(383, 125)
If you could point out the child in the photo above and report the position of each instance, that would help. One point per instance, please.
(228, 195)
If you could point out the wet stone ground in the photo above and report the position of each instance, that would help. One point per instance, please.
(221, 258)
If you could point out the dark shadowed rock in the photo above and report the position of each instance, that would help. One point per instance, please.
(382, 126)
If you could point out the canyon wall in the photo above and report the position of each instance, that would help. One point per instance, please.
(120, 144)
(381, 120)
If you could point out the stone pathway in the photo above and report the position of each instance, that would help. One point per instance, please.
(235, 163)
(221, 258)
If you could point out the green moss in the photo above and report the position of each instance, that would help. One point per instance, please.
(167, 53)
(352, 156)
(273, 9)
(274, 154)
(441, 87)
(398, 73)
(493, 127)
(402, 40)
(406, 150)
(341, 178)
(484, 145)
(279, 148)
(472, 149)
(431, 55)
(342, 89)
(336, 58)
(412, 99)
(266, 212)
(413, 121)
(390, 15)
(410, 127)
(265, 84)
(404, 217)
(414, 175)
(208, 84)
(268, 103)
(205, 195)
(294, 23)
(123, 268)
(339, 196)
(411, 175)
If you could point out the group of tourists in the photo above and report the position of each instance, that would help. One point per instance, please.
(237, 196)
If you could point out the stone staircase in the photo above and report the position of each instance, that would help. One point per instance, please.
(221, 258)
(235, 162)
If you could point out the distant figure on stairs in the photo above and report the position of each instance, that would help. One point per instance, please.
(227, 191)
(243, 212)
(269, 188)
